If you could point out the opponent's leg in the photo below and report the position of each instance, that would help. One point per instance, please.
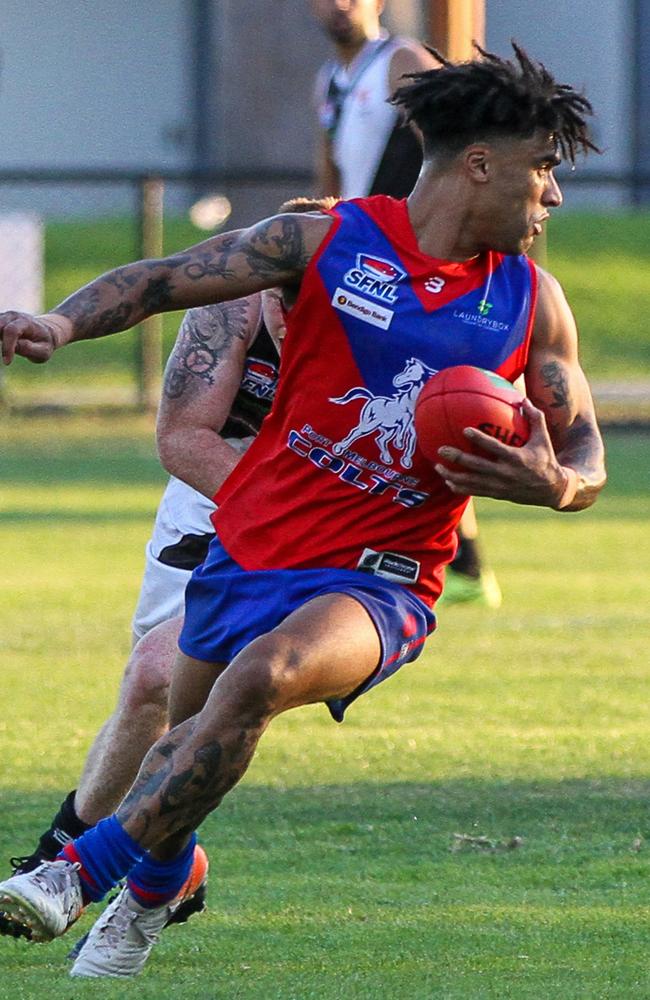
(140, 717)
(468, 578)
(139, 720)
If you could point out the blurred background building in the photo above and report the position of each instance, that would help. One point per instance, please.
(225, 85)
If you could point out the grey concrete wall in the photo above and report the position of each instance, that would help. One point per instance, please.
(590, 46)
(268, 55)
(92, 84)
(113, 82)
(641, 121)
(267, 58)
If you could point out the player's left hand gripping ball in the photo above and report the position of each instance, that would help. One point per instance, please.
(486, 439)
(464, 396)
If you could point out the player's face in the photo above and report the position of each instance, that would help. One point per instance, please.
(348, 22)
(523, 190)
(274, 316)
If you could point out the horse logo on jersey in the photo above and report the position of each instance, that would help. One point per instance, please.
(389, 418)
(375, 276)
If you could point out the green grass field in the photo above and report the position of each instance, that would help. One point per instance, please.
(332, 869)
(602, 261)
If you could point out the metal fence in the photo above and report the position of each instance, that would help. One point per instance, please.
(142, 199)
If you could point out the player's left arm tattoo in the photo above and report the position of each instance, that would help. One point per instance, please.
(562, 394)
(555, 381)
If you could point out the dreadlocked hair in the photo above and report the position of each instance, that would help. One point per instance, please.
(461, 103)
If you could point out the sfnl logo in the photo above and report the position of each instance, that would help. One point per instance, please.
(375, 276)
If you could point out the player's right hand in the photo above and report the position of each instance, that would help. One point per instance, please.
(32, 337)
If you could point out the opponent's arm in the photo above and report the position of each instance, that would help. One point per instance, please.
(229, 266)
(411, 57)
(328, 178)
(562, 464)
(202, 377)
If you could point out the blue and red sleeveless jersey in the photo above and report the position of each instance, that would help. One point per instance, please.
(335, 477)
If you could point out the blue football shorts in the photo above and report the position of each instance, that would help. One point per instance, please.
(227, 607)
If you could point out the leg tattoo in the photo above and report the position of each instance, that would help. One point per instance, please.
(183, 778)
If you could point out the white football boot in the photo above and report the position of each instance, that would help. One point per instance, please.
(120, 941)
(45, 901)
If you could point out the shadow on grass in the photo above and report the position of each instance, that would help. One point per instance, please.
(353, 890)
(415, 820)
(75, 516)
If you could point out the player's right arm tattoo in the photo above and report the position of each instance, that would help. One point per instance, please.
(276, 244)
(267, 250)
(206, 336)
(119, 299)
(225, 267)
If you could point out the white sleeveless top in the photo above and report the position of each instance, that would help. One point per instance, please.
(366, 120)
(181, 511)
(184, 511)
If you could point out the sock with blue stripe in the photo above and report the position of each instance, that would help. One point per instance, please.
(153, 883)
(106, 853)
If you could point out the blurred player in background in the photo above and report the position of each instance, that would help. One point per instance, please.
(334, 556)
(366, 148)
(219, 385)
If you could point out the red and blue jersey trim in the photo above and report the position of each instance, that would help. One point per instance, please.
(481, 316)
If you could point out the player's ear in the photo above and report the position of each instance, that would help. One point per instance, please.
(476, 160)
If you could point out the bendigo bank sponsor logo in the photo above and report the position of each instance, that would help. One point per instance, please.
(366, 311)
(375, 276)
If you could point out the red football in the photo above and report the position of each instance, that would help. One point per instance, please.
(465, 396)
